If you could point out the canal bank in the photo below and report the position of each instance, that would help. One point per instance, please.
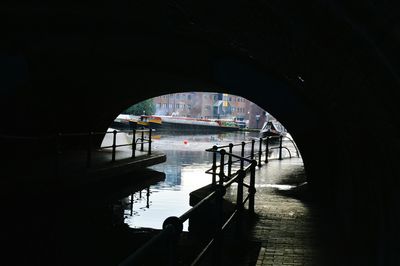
(293, 171)
(105, 223)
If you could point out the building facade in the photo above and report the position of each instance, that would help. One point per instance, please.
(210, 105)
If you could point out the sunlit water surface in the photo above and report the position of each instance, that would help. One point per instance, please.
(184, 171)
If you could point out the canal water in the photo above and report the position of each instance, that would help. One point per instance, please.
(184, 171)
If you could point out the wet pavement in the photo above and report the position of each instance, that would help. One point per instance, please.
(288, 222)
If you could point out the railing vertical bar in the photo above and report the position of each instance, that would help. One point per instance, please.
(222, 166)
(252, 189)
(260, 152)
(214, 166)
(148, 197)
(218, 226)
(149, 151)
(280, 148)
(142, 141)
(132, 199)
(239, 200)
(266, 149)
(133, 142)
(242, 155)
(114, 145)
(230, 160)
(252, 149)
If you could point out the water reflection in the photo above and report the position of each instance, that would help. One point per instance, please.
(184, 172)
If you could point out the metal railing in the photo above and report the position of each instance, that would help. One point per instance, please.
(232, 158)
(168, 238)
(141, 140)
(173, 226)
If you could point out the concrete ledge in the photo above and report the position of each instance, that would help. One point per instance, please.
(112, 169)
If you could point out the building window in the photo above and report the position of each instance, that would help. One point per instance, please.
(189, 97)
(230, 99)
(177, 96)
(189, 106)
(177, 105)
(170, 105)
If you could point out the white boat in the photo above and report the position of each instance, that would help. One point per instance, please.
(272, 128)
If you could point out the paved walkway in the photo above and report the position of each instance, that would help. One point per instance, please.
(287, 224)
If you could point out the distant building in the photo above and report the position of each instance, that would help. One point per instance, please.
(180, 104)
(210, 105)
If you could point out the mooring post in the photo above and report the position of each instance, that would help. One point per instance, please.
(252, 188)
(266, 150)
(149, 151)
(89, 150)
(252, 149)
(114, 145)
(242, 155)
(214, 166)
(280, 147)
(222, 166)
(142, 140)
(259, 153)
(230, 160)
(133, 142)
(174, 226)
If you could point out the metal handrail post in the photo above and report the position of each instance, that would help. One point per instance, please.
(142, 140)
(89, 150)
(149, 151)
(280, 148)
(252, 188)
(114, 145)
(242, 155)
(230, 160)
(133, 142)
(222, 166)
(252, 149)
(259, 153)
(266, 149)
(214, 166)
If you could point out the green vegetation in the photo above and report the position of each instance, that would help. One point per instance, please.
(147, 106)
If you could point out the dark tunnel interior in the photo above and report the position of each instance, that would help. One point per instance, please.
(328, 70)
